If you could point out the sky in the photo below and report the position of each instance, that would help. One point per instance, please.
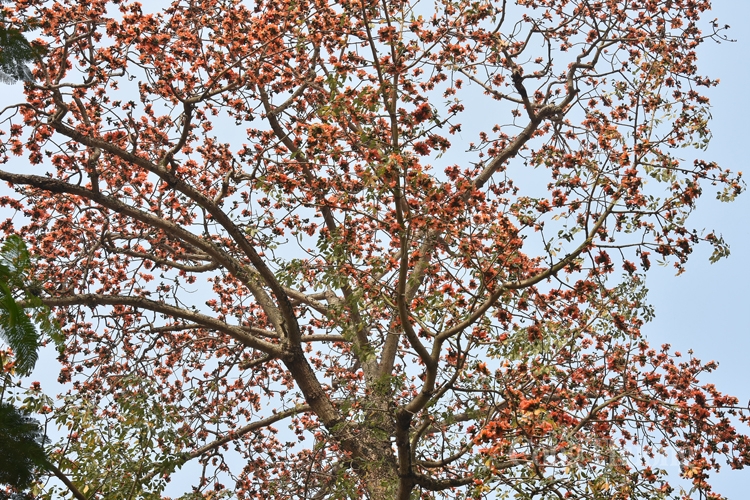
(705, 309)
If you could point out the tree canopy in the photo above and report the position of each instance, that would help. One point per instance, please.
(389, 249)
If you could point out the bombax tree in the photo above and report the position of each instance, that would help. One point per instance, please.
(382, 249)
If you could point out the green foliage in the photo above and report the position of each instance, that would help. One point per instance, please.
(19, 322)
(21, 439)
(122, 450)
(21, 313)
(15, 496)
(16, 52)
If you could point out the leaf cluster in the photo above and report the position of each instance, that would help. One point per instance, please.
(19, 321)
(16, 51)
(22, 441)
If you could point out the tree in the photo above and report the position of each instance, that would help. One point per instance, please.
(351, 249)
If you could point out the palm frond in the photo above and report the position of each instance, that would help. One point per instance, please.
(22, 440)
(22, 327)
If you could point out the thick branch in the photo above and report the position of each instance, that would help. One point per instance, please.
(240, 334)
(245, 274)
(254, 426)
(361, 341)
(210, 266)
(65, 480)
(432, 484)
(282, 316)
(236, 434)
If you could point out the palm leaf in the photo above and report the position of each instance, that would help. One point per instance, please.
(17, 328)
(22, 440)
(16, 52)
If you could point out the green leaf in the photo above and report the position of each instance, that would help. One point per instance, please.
(22, 440)
(18, 325)
(16, 52)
